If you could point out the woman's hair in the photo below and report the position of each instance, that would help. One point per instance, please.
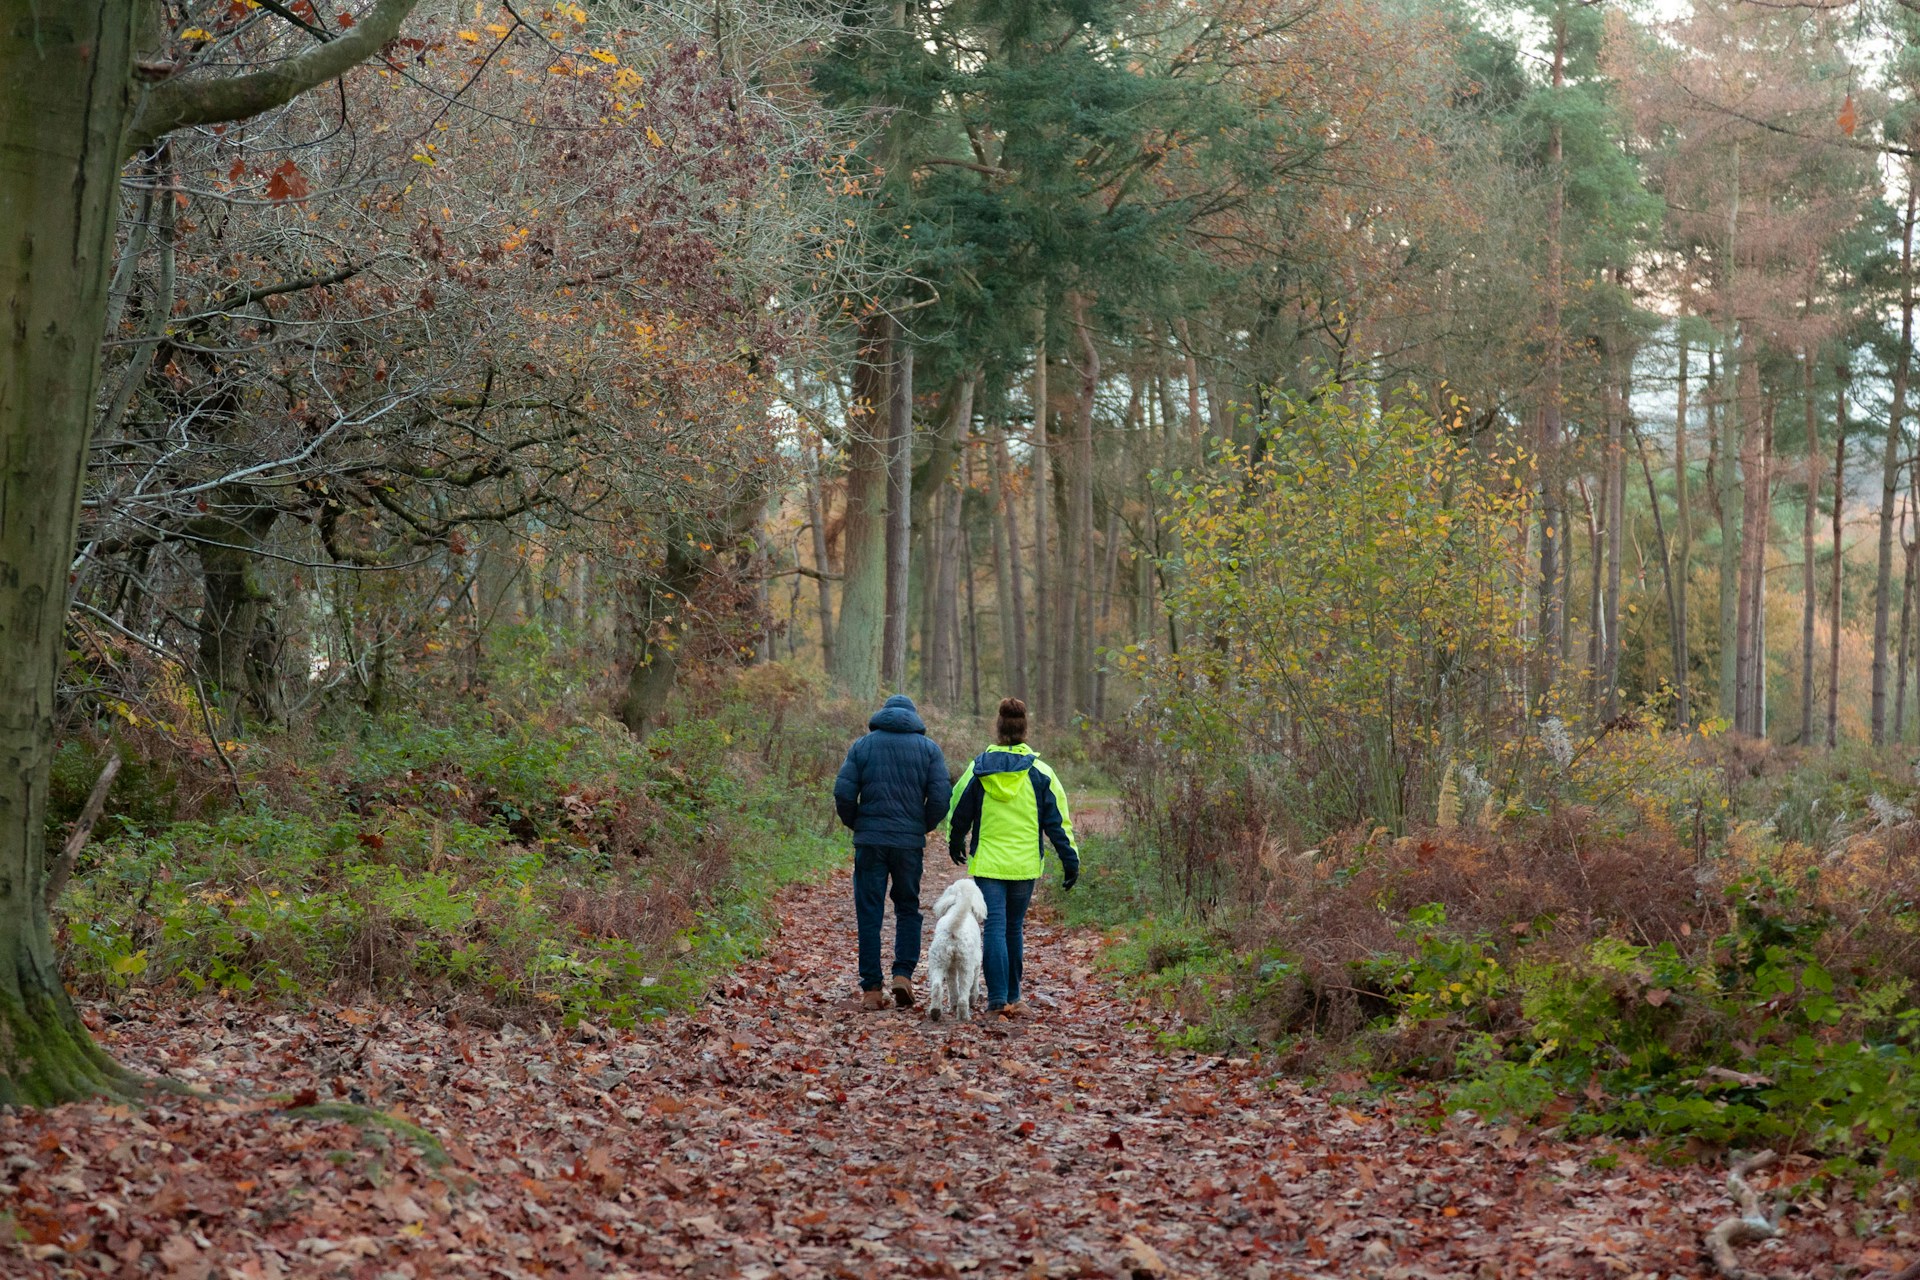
(1010, 728)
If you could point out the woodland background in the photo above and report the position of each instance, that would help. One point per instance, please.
(1451, 466)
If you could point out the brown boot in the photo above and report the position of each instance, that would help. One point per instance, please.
(1016, 1009)
(902, 992)
(875, 999)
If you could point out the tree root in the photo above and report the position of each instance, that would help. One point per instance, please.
(1751, 1224)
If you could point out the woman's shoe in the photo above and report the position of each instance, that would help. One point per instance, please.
(1016, 1009)
(902, 992)
(874, 999)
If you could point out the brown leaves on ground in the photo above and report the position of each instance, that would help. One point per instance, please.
(783, 1132)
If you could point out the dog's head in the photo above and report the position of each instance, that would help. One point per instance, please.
(966, 894)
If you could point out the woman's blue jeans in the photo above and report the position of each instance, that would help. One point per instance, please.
(1003, 941)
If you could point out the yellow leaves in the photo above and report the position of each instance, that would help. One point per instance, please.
(196, 33)
(605, 55)
(654, 138)
(471, 37)
(498, 30)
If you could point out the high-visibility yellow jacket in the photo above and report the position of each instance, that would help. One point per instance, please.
(1006, 807)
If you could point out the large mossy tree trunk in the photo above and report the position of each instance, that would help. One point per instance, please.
(70, 113)
(65, 98)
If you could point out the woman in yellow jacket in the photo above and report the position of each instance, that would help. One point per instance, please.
(1006, 807)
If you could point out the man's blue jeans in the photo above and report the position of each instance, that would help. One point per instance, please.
(1003, 941)
(873, 866)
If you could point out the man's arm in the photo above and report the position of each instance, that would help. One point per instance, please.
(846, 787)
(939, 787)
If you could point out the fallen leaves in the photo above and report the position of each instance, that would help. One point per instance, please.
(782, 1132)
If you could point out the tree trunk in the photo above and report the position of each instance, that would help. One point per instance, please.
(816, 516)
(1755, 510)
(1726, 509)
(1809, 583)
(1109, 575)
(893, 652)
(966, 568)
(1682, 556)
(237, 645)
(863, 558)
(1042, 482)
(1596, 575)
(1668, 577)
(661, 629)
(943, 656)
(65, 100)
(1081, 637)
(1007, 572)
(1902, 651)
(1553, 609)
(1890, 471)
(1839, 560)
(1616, 486)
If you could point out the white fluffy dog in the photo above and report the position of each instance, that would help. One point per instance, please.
(954, 967)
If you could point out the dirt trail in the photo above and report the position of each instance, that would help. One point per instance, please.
(783, 1132)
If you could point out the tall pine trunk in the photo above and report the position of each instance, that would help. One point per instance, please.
(1894, 455)
(1080, 654)
(1809, 579)
(1755, 510)
(1839, 560)
(1682, 554)
(1042, 483)
(817, 517)
(1727, 511)
(1553, 606)
(1616, 486)
(1006, 571)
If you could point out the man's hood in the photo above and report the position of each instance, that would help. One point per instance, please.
(897, 716)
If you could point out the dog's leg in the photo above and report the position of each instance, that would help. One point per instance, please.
(936, 996)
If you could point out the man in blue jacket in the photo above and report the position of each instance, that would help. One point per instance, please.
(892, 790)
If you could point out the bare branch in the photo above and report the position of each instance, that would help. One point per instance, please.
(82, 828)
(179, 104)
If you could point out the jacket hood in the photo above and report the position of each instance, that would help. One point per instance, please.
(897, 716)
(1004, 760)
(1004, 771)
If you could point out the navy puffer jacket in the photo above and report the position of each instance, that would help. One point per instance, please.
(893, 788)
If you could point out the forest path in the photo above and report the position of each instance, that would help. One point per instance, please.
(782, 1131)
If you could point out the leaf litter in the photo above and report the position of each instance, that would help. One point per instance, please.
(782, 1132)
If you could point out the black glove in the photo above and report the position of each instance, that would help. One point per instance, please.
(958, 854)
(1069, 873)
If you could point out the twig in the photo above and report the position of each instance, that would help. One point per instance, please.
(82, 828)
(1749, 1225)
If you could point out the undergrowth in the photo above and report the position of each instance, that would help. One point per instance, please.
(1678, 943)
(498, 861)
